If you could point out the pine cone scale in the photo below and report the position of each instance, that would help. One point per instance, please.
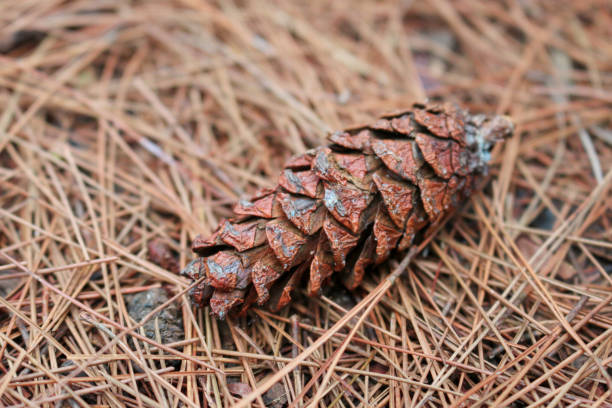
(402, 157)
(397, 195)
(340, 240)
(305, 213)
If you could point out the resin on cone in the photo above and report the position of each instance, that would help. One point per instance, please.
(342, 208)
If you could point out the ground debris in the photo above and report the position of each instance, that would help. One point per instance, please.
(168, 321)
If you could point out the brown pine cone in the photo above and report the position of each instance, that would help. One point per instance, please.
(343, 208)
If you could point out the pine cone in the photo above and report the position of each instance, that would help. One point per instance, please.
(343, 208)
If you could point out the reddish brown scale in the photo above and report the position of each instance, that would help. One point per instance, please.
(386, 235)
(341, 241)
(290, 246)
(359, 140)
(383, 124)
(196, 271)
(300, 182)
(447, 122)
(249, 300)
(326, 168)
(403, 125)
(400, 156)
(222, 302)
(282, 295)
(356, 271)
(265, 206)
(305, 213)
(347, 204)
(354, 164)
(225, 271)
(341, 209)
(433, 196)
(321, 266)
(417, 221)
(265, 272)
(243, 236)
(437, 153)
(397, 195)
(202, 246)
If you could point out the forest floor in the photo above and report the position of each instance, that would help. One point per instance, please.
(124, 124)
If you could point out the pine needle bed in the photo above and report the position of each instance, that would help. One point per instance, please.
(126, 128)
